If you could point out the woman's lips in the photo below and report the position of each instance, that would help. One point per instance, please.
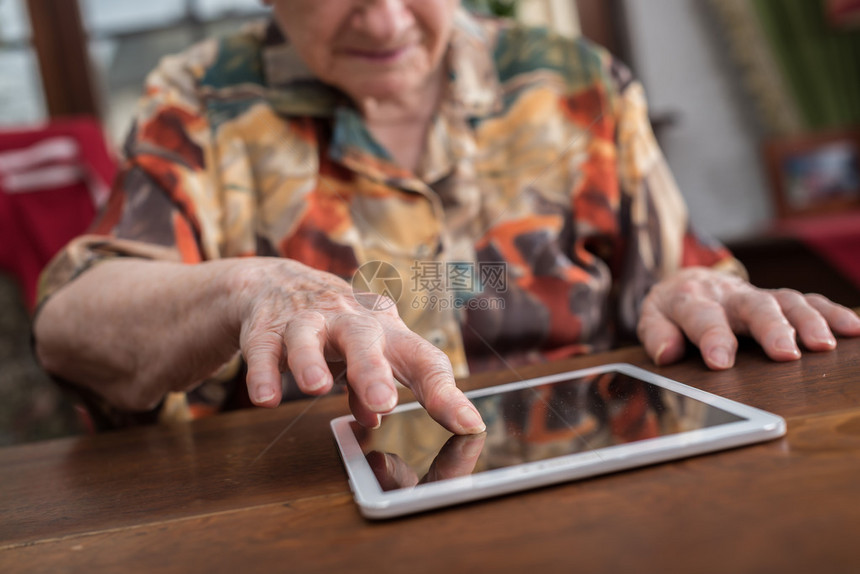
(377, 56)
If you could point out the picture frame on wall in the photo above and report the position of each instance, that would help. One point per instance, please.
(814, 174)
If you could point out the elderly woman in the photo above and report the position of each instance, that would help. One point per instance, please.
(507, 178)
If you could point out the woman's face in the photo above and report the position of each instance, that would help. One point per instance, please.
(369, 48)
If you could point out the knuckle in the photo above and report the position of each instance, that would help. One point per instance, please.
(692, 274)
(438, 390)
(309, 316)
(430, 357)
(646, 318)
(789, 298)
(420, 347)
(788, 293)
(687, 287)
(374, 362)
(257, 336)
(356, 324)
(678, 301)
(439, 380)
(719, 332)
(642, 328)
(306, 317)
(686, 291)
(744, 303)
(370, 370)
(650, 303)
(817, 299)
(650, 300)
(747, 303)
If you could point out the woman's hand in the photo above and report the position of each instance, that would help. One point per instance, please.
(297, 318)
(710, 308)
(133, 330)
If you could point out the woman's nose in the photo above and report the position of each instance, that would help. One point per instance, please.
(383, 20)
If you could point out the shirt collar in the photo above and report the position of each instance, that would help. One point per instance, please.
(474, 82)
(292, 90)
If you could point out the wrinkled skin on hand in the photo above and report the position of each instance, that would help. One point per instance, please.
(711, 308)
(297, 318)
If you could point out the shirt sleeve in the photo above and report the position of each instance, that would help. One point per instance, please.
(164, 205)
(164, 201)
(655, 225)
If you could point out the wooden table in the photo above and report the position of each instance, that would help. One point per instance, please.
(200, 498)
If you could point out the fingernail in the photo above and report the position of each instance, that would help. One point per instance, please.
(313, 377)
(787, 345)
(659, 354)
(824, 337)
(376, 426)
(720, 358)
(380, 398)
(265, 394)
(469, 420)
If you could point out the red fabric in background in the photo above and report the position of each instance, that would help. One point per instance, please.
(36, 224)
(836, 238)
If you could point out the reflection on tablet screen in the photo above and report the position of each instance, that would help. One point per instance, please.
(531, 424)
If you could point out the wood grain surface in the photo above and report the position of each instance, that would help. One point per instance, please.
(218, 495)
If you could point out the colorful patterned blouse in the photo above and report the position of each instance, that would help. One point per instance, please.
(541, 212)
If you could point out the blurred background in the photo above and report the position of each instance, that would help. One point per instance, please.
(756, 104)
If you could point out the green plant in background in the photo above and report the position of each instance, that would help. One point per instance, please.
(821, 63)
(497, 7)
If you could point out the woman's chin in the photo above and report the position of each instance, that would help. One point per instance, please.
(399, 83)
(381, 90)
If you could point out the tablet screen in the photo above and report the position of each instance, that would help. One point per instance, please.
(564, 417)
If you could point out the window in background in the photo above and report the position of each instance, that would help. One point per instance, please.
(21, 100)
(129, 37)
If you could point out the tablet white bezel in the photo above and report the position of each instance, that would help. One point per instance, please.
(376, 503)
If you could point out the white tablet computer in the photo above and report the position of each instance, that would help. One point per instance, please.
(540, 431)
